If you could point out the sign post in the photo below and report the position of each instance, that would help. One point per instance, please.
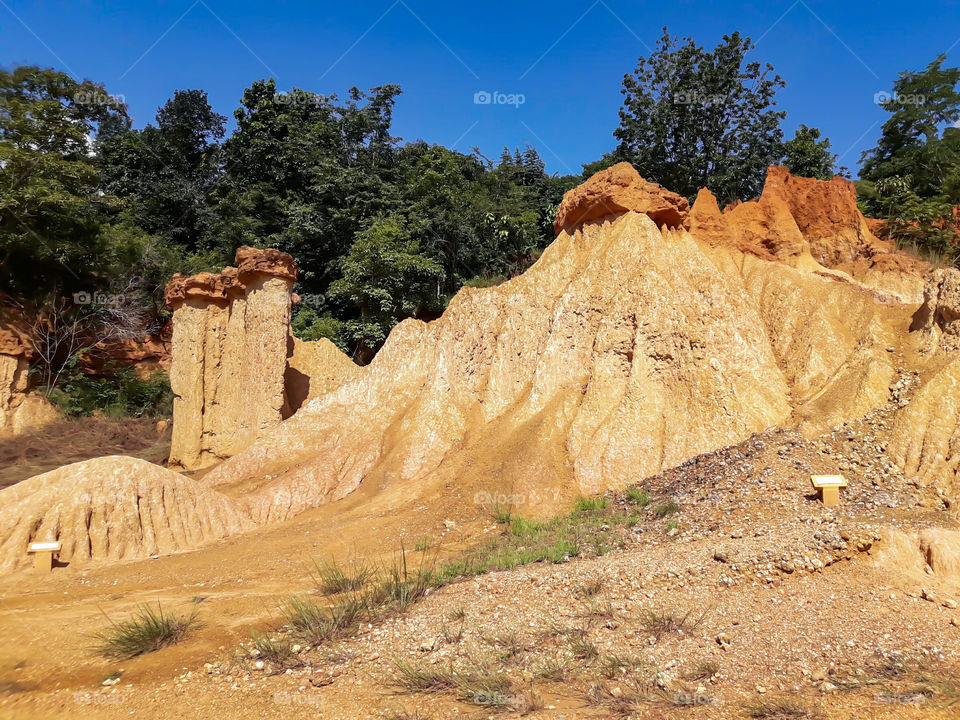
(828, 488)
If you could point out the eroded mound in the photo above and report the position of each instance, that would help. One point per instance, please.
(114, 507)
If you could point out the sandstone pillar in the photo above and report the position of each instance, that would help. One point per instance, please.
(229, 355)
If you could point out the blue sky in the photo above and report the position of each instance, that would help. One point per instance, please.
(567, 59)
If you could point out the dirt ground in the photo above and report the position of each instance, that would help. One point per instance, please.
(784, 601)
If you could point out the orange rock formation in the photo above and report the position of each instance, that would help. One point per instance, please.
(631, 346)
(229, 355)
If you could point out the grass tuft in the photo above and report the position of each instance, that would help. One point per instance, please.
(147, 631)
(276, 651)
(588, 504)
(659, 623)
(640, 498)
(331, 579)
(665, 508)
(781, 709)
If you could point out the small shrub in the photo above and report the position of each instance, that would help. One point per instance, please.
(451, 635)
(640, 498)
(278, 652)
(423, 544)
(582, 648)
(420, 678)
(501, 514)
(702, 670)
(147, 631)
(659, 624)
(521, 527)
(589, 589)
(117, 391)
(613, 666)
(551, 670)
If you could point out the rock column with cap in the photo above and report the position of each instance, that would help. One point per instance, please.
(230, 334)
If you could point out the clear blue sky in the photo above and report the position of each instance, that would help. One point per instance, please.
(566, 57)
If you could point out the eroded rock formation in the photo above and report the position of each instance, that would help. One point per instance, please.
(811, 224)
(229, 355)
(19, 408)
(631, 346)
(939, 316)
(114, 508)
(616, 190)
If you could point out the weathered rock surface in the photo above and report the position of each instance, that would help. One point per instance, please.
(229, 356)
(926, 437)
(620, 189)
(631, 346)
(809, 223)
(20, 409)
(315, 369)
(939, 316)
(114, 508)
(915, 557)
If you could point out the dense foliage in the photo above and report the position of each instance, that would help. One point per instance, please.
(912, 176)
(382, 229)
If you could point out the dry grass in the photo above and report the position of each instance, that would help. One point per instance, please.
(277, 651)
(331, 579)
(784, 708)
(660, 623)
(147, 631)
(40, 450)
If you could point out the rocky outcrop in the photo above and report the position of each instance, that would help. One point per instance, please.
(630, 346)
(315, 369)
(925, 442)
(812, 224)
(616, 190)
(229, 355)
(20, 409)
(939, 316)
(932, 554)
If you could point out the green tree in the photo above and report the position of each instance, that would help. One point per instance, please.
(51, 211)
(917, 142)
(693, 118)
(807, 155)
(164, 174)
(386, 278)
(304, 171)
(912, 176)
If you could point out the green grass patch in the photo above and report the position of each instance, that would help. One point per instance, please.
(147, 631)
(588, 504)
(639, 497)
(331, 579)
